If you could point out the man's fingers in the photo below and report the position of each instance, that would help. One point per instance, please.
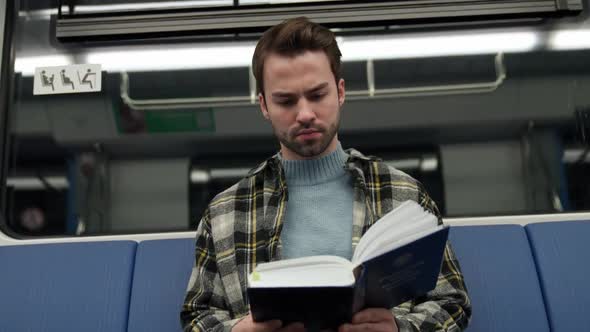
(248, 324)
(372, 315)
(270, 325)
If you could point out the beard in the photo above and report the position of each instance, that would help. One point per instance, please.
(308, 148)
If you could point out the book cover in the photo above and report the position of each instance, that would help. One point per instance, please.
(402, 274)
(382, 282)
(396, 260)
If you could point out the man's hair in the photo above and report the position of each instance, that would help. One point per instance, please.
(293, 37)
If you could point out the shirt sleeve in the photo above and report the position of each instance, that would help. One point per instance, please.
(204, 307)
(447, 307)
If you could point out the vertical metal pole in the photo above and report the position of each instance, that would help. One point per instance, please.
(371, 77)
(8, 16)
(3, 14)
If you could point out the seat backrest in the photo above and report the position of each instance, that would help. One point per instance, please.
(66, 287)
(562, 255)
(160, 279)
(501, 279)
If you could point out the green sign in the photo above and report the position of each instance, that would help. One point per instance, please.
(178, 121)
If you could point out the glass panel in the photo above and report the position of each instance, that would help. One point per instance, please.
(483, 116)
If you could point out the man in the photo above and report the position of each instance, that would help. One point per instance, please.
(311, 198)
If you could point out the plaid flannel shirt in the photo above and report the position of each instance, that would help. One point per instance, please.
(242, 226)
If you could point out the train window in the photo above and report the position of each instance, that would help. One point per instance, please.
(480, 109)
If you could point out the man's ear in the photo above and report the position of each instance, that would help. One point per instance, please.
(263, 109)
(341, 92)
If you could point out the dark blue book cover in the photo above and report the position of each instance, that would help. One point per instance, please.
(382, 282)
(401, 274)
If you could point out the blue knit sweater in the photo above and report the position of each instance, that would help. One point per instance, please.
(318, 219)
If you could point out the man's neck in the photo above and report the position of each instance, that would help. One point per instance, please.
(314, 171)
(288, 154)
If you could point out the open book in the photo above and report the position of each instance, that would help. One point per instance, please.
(396, 260)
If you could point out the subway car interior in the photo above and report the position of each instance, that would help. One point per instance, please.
(122, 119)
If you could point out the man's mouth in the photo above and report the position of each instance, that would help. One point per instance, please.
(307, 131)
(306, 134)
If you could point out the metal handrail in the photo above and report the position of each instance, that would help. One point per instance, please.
(179, 103)
(371, 93)
(435, 90)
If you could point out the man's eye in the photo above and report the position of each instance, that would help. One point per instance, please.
(316, 97)
(286, 102)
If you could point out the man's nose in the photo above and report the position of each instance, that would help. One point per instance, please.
(305, 113)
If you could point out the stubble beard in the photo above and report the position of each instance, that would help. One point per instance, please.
(312, 148)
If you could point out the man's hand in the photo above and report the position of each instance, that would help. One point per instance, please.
(247, 324)
(372, 319)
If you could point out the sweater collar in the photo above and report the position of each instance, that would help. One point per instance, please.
(314, 171)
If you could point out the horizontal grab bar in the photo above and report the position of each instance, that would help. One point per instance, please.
(371, 93)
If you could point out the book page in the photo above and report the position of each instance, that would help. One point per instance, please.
(394, 235)
(314, 271)
(385, 229)
(385, 246)
(398, 217)
(404, 221)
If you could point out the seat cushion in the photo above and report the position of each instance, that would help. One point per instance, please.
(501, 279)
(562, 254)
(66, 287)
(162, 271)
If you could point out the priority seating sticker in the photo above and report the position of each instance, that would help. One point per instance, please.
(67, 79)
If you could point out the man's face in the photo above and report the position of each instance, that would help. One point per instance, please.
(302, 103)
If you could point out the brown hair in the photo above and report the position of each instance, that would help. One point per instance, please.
(293, 37)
